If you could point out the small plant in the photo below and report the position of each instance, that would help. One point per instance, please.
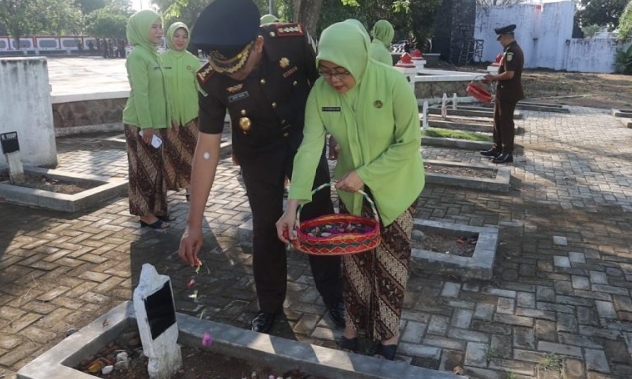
(552, 362)
(492, 354)
(511, 375)
(591, 30)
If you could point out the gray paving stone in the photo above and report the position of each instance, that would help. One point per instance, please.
(505, 305)
(513, 320)
(484, 311)
(524, 338)
(546, 330)
(462, 319)
(577, 257)
(580, 282)
(561, 349)
(574, 369)
(476, 354)
(451, 289)
(596, 361)
(566, 323)
(413, 332)
(560, 241)
(545, 294)
(499, 292)
(525, 300)
(535, 313)
(438, 325)
(605, 309)
(444, 343)
(560, 261)
(468, 335)
(610, 289)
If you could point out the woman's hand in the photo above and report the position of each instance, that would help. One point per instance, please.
(147, 135)
(350, 182)
(285, 225)
(333, 149)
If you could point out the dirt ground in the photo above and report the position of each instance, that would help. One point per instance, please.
(581, 89)
(571, 88)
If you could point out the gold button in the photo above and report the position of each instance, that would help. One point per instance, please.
(295, 83)
(286, 134)
(243, 112)
(273, 105)
(263, 81)
(272, 34)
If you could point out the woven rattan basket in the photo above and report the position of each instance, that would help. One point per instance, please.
(342, 241)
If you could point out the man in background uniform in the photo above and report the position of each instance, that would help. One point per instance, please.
(262, 76)
(508, 93)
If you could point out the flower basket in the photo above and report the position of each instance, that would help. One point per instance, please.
(479, 92)
(337, 234)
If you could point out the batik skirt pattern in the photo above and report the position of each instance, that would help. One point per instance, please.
(178, 155)
(147, 185)
(375, 281)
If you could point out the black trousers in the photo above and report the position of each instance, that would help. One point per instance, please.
(504, 128)
(264, 180)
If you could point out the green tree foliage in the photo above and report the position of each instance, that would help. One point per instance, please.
(59, 17)
(109, 21)
(88, 6)
(20, 17)
(601, 12)
(623, 60)
(625, 23)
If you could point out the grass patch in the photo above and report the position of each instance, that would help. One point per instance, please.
(458, 134)
(552, 362)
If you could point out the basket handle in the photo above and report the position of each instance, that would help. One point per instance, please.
(333, 185)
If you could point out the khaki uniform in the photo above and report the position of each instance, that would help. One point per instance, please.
(508, 93)
(267, 112)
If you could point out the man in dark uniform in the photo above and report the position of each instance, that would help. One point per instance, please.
(508, 93)
(262, 76)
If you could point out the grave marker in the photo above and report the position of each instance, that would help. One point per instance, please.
(11, 150)
(156, 316)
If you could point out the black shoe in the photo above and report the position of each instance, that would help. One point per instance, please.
(489, 153)
(262, 322)
(503, 158)
(337, 314)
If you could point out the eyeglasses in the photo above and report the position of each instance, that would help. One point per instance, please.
(337, 75)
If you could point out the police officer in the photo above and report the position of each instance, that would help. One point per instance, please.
(262, 76)
(508, 93)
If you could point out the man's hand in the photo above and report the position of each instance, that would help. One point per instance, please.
(190, 245)
(488, 78)
(350, 182)
(285, 225)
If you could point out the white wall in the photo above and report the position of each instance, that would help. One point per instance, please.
(544, 31)
(25, 107)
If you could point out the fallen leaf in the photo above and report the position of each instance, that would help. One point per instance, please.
(106, 322)
(191, 283)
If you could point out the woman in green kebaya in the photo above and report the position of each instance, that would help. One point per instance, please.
(383, 33)
(146, 118)
(372, 112)
(180, 69)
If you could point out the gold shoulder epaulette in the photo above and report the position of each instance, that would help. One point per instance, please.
(290, 29)
(205, 73)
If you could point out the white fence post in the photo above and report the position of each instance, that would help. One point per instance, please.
(454, 101)
(444, 106)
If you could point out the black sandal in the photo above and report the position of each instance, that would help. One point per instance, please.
(166, 218)
(349, 345)
(386, 352)
(158, 224)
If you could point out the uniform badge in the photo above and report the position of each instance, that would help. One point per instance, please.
(188, 68)
(245, 124)
(234, 88)
(284, 62)
(378, 104)
(509, 57)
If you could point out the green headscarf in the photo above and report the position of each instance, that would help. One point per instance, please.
(267, 19)
(383, 31)
(171, 31)
(138, 28)
(354, 56)
(358, 24)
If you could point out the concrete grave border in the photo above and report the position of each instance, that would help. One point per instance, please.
(500, 183)
(225, 148)
(470, 111)
(478, 266)
(624, 115)
(231, 341)
(108, 189)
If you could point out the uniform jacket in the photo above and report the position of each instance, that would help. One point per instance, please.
(376, 124)
(271, 100)
(513, 60)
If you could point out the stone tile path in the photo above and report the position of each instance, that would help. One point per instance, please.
(558, 305)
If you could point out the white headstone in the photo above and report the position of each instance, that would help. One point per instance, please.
(454, 101)
(156, 317)
(444, 106)
(424, 115)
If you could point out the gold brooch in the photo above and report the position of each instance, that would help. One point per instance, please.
(234, 88)
(284, 62)
(378, 104)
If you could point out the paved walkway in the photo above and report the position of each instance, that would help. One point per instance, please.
(559, 302)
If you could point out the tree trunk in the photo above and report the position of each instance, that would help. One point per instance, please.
(307, 12)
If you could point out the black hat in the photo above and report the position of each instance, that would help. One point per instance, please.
(227, 29)
(509, 29)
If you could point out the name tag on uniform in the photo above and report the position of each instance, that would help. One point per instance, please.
(238, 96)
(156, 67)
(331, 109)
